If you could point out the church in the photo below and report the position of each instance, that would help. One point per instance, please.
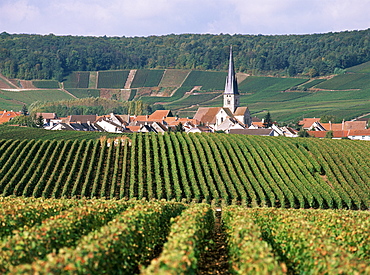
(231, 115)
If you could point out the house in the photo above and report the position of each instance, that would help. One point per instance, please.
(76, 126)
(109, 126)
(6, 116)
(81, 118)
(230, 123)
(359, 134)
(338, 134)
(215, 116)
(307, 123)
(199, 129)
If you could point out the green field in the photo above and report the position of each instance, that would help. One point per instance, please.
(257, 84)
(11, 98)
(312, 83)
(194, 99)
(208, 80)
(218, 168)
(182, 204)
(112, 79)
(179, 93)
(77, 80)
(160, 237)
(173, 78)
(46, 84)
(346, 82)
(82, 93)
(147, 78)
(362, 68)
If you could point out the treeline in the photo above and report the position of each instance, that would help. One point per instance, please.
(53, 57)
(91, 106)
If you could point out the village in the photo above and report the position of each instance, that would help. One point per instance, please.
(231, 119)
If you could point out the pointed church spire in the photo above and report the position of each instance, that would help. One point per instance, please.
(231, 93)
(231, 86)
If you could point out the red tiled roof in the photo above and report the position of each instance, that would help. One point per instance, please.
(207, 115)
(8, 115)
(160, 114)
(340, 133)
(240, 111)
(258, 124)
(307, 122)
(134, 128)
(47, 115)
(355, 125)
(365, 132)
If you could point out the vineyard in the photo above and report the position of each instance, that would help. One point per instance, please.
(159, 237)
(218, 169)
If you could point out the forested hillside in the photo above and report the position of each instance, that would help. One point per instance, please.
(25, 56)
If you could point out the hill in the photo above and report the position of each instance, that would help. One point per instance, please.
(213, 168)
(345, 96)
(29, 57)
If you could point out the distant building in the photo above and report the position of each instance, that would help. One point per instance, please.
(6, 116)
(236, 116)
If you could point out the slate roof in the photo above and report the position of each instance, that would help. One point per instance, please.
(231, 86)
(82, 118)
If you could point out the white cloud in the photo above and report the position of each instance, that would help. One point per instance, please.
(145, 17)
(13, 12)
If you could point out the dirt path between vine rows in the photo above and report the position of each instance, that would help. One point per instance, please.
(215, 260)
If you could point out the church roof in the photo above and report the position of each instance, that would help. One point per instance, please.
(231, 86)
(207, 115)
(240, 111)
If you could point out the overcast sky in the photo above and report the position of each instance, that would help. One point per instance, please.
(160, 17)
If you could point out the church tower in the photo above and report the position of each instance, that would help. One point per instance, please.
(231, 93)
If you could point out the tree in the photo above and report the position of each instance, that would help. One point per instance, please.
(303, 133)
(267, 121)
(24, 110)
(329, 134)
(39, 121)
(328, 118)
(179, 128)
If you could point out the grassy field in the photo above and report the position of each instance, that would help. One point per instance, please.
(312, 83)
(362, 68)
(179, 93)
(77, 80)
(82, 93)
(173, 78)
(112, 79)
(346, 82)
(19, 98)
(46, 84)
(208, 80)
(193, 99)
(147, 78)
(257, 84)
